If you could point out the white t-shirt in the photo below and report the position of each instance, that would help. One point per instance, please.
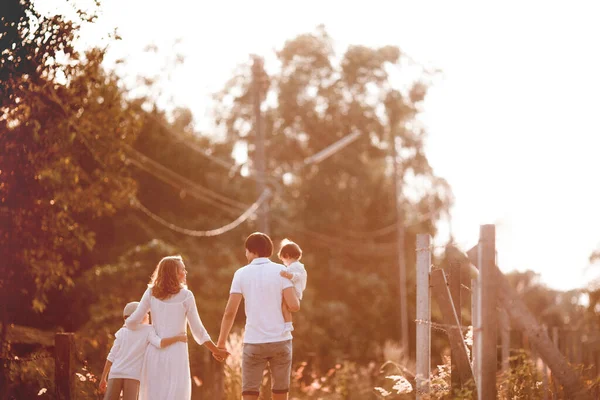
(299, 277)
(262, 287)
(128, 350)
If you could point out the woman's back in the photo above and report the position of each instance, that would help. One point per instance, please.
(169, 316)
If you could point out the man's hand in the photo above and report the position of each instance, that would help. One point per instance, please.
(221, 354)
(102, 386)
(286, 274)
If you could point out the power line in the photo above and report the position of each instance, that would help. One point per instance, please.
(141, 158)
(213, 232)
(179, 137)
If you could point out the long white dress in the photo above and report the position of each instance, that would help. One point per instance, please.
(166, 372)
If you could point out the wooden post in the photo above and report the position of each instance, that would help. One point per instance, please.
(578, 342)
(476, 323)
(554, 381)
(473, 258)
(213, 383)
(455, 282)
(439, 287)
(505, 326)
(487, 265)
(545, 387)
(423, 367)
(522, 319)
(64, 364)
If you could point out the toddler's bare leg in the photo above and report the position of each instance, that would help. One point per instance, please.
(287, 314)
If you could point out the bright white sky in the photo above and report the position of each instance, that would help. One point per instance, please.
(513, 124)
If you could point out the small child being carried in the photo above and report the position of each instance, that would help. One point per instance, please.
(123, 367)
(290, 254)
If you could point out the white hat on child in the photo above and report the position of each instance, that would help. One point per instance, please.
(130, 308)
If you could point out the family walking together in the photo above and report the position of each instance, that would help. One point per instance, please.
(151, 362)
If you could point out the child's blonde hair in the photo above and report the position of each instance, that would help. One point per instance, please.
(165, 281)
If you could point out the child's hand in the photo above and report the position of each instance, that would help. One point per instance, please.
(102, 386)
(182, 338)
(286, 274)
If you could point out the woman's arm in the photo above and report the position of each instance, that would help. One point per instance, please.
(159, 343)
(137, 317)
(199, 333)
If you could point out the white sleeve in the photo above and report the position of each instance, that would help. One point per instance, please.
(114, 350)
(285, 283)
(236, 283)
(299, 275)
(198, 331)
(138, 315)
(153, 338)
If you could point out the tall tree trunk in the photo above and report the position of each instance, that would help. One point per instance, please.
(3, 347)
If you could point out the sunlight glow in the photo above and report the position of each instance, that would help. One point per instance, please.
(512, 122)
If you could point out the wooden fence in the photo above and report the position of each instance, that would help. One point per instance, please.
(495, 308)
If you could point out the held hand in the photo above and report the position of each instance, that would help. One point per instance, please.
(286, 274)
(102, 386)
(220, 354)
(182, 338)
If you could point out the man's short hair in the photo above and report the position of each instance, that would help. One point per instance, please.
(290, 249)
(259, 244)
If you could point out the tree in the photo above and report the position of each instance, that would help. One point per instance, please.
(64, 126)
(336, 209)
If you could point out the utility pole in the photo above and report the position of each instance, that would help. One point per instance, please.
(260, 161)
(401, 256)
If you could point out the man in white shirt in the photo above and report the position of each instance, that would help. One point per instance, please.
(265, 340)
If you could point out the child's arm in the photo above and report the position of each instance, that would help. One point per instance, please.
(109, 361)
(295, 273)
(105, 373)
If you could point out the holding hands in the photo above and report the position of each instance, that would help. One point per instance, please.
(220, 354)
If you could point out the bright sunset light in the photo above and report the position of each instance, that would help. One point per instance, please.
(401, 192)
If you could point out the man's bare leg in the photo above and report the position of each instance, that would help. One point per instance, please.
(279, 396)
(250, 397)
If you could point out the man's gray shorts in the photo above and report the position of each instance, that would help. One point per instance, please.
(277, 355)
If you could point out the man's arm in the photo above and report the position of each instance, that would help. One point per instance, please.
(291, 300)
(228, 317)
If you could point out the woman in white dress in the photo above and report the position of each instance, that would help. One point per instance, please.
(166, 372)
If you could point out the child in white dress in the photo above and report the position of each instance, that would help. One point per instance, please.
(166, 372)
(123, 366)
(290, 254)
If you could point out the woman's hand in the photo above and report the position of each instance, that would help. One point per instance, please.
(182, 338)
(220, 354)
